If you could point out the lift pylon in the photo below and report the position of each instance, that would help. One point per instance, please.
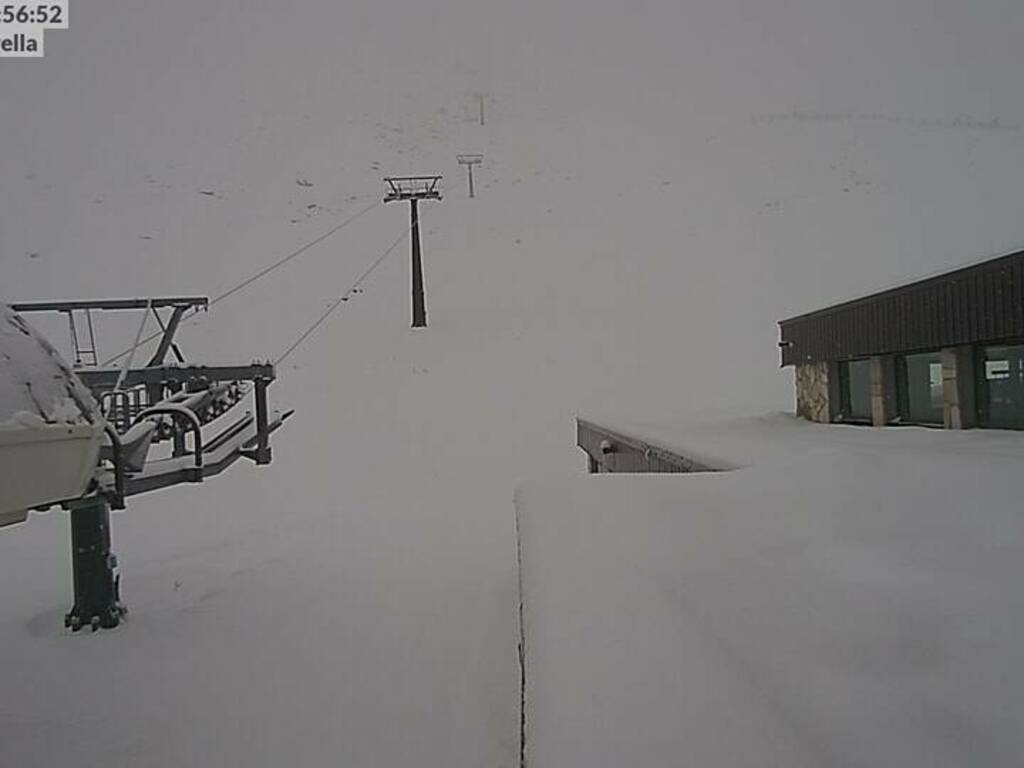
(413, 189)
(469, 161)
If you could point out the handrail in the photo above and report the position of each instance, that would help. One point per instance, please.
(115, 441)
(172, 409)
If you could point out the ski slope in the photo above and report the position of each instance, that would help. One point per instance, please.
(661, 184)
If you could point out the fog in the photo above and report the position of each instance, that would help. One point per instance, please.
(662, 183)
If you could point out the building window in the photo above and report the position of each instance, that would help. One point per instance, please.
(919, 380)
(1002, 386)
(855, 390)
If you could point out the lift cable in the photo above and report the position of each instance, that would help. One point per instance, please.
(298, 252)
(253, 278)
(344, 297)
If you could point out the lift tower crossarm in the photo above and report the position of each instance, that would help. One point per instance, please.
(412, 188)
(156, 303)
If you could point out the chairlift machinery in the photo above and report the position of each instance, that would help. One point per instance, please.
(143, 428)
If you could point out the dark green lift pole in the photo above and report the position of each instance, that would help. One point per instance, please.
(412, 189)
(97, 598)
(419, 303)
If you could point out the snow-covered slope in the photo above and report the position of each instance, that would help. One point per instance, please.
(662, 183)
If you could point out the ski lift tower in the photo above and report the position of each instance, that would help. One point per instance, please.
(413, 189)
(469, 161)
(133, 429)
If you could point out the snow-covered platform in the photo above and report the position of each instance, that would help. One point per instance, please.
(846, 596)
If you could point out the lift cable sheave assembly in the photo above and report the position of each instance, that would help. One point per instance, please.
(163, 424)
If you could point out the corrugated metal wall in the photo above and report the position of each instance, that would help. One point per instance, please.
(977, 304)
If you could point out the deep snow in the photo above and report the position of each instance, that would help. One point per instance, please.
(847, 597)
(661, 184)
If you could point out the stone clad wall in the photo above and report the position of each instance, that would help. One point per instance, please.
(812, 392)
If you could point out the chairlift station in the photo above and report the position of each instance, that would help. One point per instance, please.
(89, 438)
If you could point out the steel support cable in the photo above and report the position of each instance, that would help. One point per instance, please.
(344, 297)
(294, 254)
(262, 273)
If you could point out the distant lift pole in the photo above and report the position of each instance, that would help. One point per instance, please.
(413, 189)
(469, 161)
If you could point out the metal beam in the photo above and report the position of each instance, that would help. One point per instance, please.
(412, 188)
(241, 441)
(167, 340)
(262, 429)
(66, 306)
(98, 379)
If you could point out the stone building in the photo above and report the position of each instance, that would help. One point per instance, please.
(945, 351)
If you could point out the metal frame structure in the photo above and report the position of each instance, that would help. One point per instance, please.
(159, 403)
(412, 189)
(611, 451)
(469, 160)
(85, 308)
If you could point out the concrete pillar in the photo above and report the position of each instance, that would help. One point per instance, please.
(884, 405)
(959, 406)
